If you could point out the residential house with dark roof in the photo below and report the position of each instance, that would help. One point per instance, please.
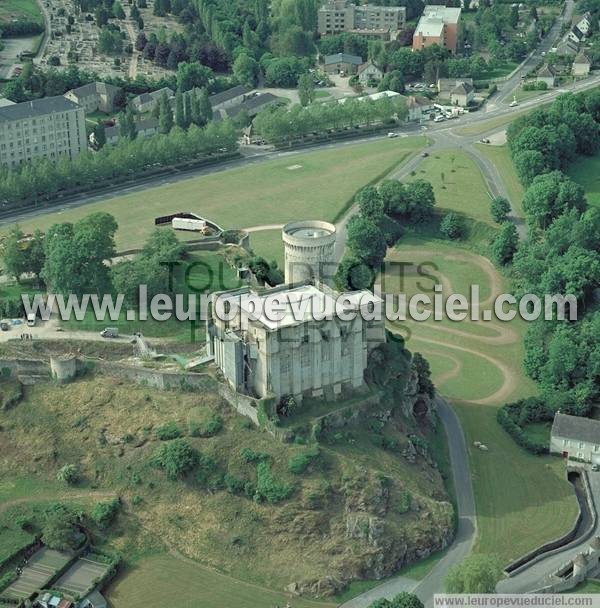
(144, 128)
(419, 107)
(582, 65)
(146, 102)
(368, 73)
(576, 437)
(445, 86)
(342, 63)
(462, 94)
(547, 74)
(229, 98)
(95, 96)
(51, 127)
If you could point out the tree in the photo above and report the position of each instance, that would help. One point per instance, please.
(35, 253)
(127, 126)
(353, 275)
(505, 244)
(476, 574)
(452, 226)
(68, 474)
(100, 135)
(529, 164)
(59, 528)
(14, 258)
(370, 204)
(392, 81)
(176, 458)
(179, 110)
(499, 209)
(193, 75)
(118, 11)
(204, 106)
(550, 195)
(76, 255)
(306, 89)
(165, 114)
(246, 69)
(103, 513)
(366, 241)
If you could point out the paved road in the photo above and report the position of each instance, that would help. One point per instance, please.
(505, 95)
(535, 577)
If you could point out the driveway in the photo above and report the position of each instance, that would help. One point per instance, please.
(535, 577)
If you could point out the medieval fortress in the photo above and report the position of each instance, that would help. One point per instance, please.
(295, 354)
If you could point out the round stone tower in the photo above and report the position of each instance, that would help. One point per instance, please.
(309, 251)
(64, 369)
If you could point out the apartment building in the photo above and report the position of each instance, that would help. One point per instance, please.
(337, 16)
(52, 127)
(438, 25)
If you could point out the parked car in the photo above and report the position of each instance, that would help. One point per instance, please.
(391, 134)
(424, 154)
(4, 325)
(439, 118)
(110, 332)
(513, 104)
(31, 320)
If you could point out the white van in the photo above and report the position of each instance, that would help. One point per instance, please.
(31, 319)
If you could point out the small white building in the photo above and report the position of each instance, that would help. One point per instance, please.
(463, 94)
(547, 75)
(581, 65)
(419, 107)
(584, 25)
(576, 437)
(368, 73)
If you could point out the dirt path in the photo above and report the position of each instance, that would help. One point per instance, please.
(264, 227)
(47, 496)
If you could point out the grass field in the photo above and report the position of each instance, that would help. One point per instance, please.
(522, 500)
(185, 584)
(500, 156)
(487, 125)
(585, 171)
(19, 9)
(268, 244)
(309, 185)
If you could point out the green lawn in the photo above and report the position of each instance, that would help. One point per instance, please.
(311, 185)
(186, 584)
(208, 272)
(585, 171)
(19, 9)
(487, 125)
(587, 587)
(500, 156)
(460, 187)
(522, 500)
(268, 244)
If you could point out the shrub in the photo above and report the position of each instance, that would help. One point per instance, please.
(249, 455)
(207, 429)
(233, 484)
(168, 431)
(104, 513)
(405, 502)
(300, 462)
(514, 416)
(176, 458)
(268, 488)
(453, 226)
(69, 474)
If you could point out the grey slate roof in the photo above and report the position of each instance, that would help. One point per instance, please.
(576, 428)
(582, 58)
(546, 72)
(95, 87)
(463, 88)
(37, 107)
(252, 103)
(142, 125)
(343, 58)
(232, 93)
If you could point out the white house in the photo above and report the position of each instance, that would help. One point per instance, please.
(368, 72)
(547, 75)
(419, 107)
(462, 94)
(581, 65)
(576, 437)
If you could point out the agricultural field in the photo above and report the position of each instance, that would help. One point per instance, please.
(308, 185)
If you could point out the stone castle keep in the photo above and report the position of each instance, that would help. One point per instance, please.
(295, 354)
